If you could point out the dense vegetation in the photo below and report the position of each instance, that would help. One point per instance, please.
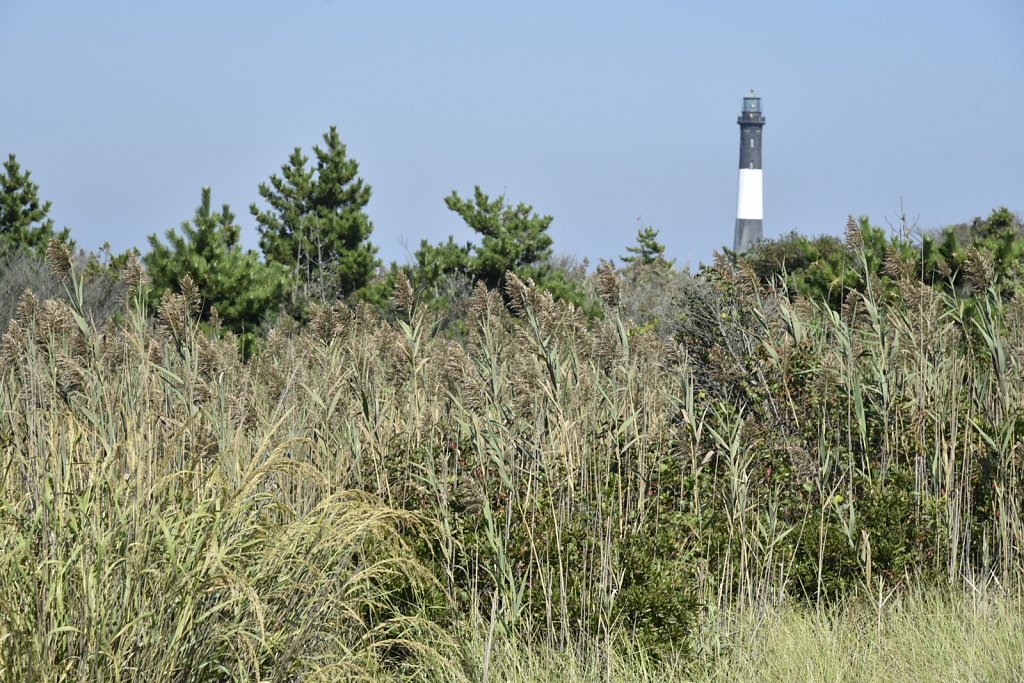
(634, 474)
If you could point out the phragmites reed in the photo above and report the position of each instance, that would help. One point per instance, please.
(402, 295)
(133, 275)
(11, 345)
(746, 276)
(70, 376)
(979, 271)
(517, 293)
(177, 311)
(895, 266)
(215, 321)
(484, 305)
(59, 257)
(54, 320)
(28, 304)
(608, 286)
(328, 322)
(568, 476)
(854, 237)
(190, 291)
(173, 316)
(944, 270)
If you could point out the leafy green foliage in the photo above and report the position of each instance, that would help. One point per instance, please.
(657, 601)
(316, 225)
(820, 268)
(966, 258)
(242, 289)
(887, 534)
(24, 218)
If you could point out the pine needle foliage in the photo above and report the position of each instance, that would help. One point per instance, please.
(316, 225)
(25, 224)
(231, 281)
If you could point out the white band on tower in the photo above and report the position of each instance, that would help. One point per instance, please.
(750, 205)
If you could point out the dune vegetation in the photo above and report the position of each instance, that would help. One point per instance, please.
(777, 489)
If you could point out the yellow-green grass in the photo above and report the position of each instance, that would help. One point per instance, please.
(936, 637)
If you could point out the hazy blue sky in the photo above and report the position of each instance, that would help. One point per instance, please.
(596, 113)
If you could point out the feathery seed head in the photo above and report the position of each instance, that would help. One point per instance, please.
(173, 315)
(608, 287)
(402, 296)
(895, 266)
(517, 292)
(28, 304)
(59, 257)
(979, 270)
(854, 238)
(11, 345)
(133, 275)
(190, 292)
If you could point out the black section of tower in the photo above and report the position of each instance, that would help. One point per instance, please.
(751, 121)
(748, 233)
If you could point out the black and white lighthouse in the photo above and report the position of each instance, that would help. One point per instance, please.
(750, 203)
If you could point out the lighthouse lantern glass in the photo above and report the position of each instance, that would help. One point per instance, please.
(751, 104)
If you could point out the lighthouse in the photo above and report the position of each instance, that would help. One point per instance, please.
(750, 203)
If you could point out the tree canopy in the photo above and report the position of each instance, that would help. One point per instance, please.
(648, 250)
(316, 226)
(24, 218)
(512, 237)
(243, 289)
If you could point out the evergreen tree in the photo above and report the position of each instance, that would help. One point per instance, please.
(648, 250)
(24, 218)
(436, 262)
(512, 238)
(316, 225)
(234, 281)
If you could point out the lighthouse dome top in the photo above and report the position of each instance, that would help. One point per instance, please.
(752, 102)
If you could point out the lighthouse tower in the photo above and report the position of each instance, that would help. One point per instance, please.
(750, 204)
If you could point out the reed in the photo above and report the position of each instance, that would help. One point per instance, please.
(372, 497)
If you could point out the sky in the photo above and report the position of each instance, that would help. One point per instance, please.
(605, 115)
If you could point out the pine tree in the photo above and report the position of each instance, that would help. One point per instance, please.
(243, 289)
(24, 219)
(512, 237)
(648, 250)
(436, 262)
(316, 225)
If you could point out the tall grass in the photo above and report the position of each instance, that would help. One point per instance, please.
(152, 532)
(369, 497)
(931, 638)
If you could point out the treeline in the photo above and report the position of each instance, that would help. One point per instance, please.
(314, 237)
(315, 248)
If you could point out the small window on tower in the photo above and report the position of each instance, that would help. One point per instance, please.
(751, 143)
(751, 164)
